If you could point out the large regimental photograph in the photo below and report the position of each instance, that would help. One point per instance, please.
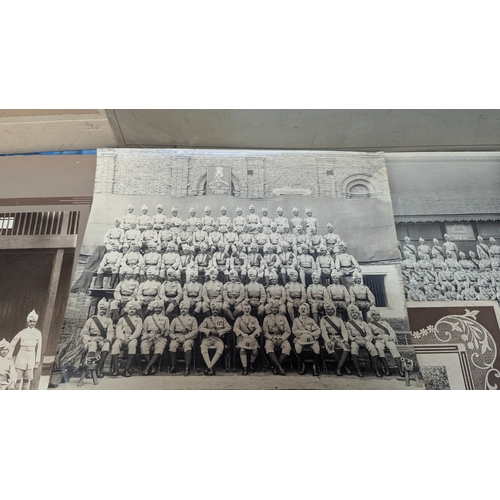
(238, 269)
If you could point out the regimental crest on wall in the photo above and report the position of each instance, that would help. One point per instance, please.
(218, 180)
(463, 350)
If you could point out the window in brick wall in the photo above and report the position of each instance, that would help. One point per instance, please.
(249, 172)
(375, 282)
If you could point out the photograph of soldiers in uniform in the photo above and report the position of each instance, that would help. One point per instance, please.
(448, 227)
(255, 265)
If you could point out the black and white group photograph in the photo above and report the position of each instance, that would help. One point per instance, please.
(214, 269)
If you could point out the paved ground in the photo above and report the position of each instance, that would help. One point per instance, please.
(259, 380)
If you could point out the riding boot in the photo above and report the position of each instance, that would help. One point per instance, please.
(114, 280)
(99, 281)
(355, 360)
(302, 369)
(282, 359)
(173, 362)
(275, 362)
(376, 366)
(147, 358)
(341, 363)
(150, 367)
(128, 366)
(384, 366)
(114, 365)
(100, 366)
(400, 366)
(316, 360)
(115, 316)
(188, 356)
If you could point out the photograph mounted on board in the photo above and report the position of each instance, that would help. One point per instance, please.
(247, 264)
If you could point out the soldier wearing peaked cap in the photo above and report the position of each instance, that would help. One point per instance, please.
(30, 351)
(144, 219)
(154, 335)
(8, 374)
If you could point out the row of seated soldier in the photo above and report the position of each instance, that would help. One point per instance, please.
(443, 273)
(326, 336)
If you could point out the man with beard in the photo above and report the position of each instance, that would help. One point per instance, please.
(125, 291)
(171, 293)
(147, 293)
(339, 295)
(306, 333)
(276, 332)
(192, 292)
(276, 294)
(316, 296)
(211, 291)
(295, 294)
(154, 335)
(233, 294)
(361, 295)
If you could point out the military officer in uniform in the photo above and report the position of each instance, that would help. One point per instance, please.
(202, 261)
(223, 221)
(305, 264)
(152, 260)
(124, 292)
(132, 237)
(316, 296)
(185, 237)
(192, 221)
(170, 260)
(165, 237)
(423, 250)
(247, 239)
(8, 374)
(271, 262)
(154, 335)
(325, 264)
(295, 294)
(247, 329)
(254, 261)
(148, 236)
(238, 261)
(230, 239)
(288, 263)
(192, 292)
(213, 328)
(265, 221)
(128, 330)
(239, 221)
(331, 239)
(361, 295)
(147, 293)
(186, 263)
(310, 222)
(97, 334)
(115, 235)
(144, 219)
(128, 218)
(175, 221)
(275, 294)
(301, 239)
(132, 263)
(220, 261)
(384, 337)
(252, 220)
(345, 264)
(110, 264)
(159, 218)
(233, 294)
(334, 333)
(449, 246)
(215, 239)
(316, 240)
(255, 293)
(30, 351)
(360, 335)
(275, 239)
(183, 332)
(261, 239)
(211, 291)
(280, 221)
(296, 221)
(171, 293)
(276, 330)
(200, 236)
(208, 221)
(306, 333)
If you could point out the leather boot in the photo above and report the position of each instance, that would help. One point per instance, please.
(147, 358)
(128, 367)
(100, 366)
(400, 366)
(376, 366)
(302, 369)
(282, 359)
(99, 281)
(276, 363)
(355, 360)
(173, 361)
(114, 365)
(114, 280)
(384, 366)
(316, 365)
(150, 367)
(115, 316)
(188, 356)
(341, 363)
